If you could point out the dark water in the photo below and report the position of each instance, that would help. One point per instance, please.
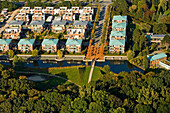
(116, 66)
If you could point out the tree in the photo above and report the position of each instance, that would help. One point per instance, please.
(142, 43)
(140, 13)
(60, 54)
(145, 62)
(89, 51)
(130, 54)
(153, 8)
(136, 35)
(1, 67)
(166, 41)
(136, 47)
(160, 28)
(11, 53)
(35, 52)
(139, 108)
(101, 51)
(145, 27)
(5, 74)
(163, 5)
(106, 68)
(17, 59)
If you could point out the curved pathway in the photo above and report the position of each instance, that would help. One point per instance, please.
(48, 75)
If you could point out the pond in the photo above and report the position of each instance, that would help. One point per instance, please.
(116, 66)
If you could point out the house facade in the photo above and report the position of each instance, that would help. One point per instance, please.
(50, 45)
(22, 16)
(38, 10)
(75, 10)
(87, 10)
(4, 11)
(118, 34)
(26, 45)
(118, 26)
(58, 26)
(119, 19)
(77, 30)
(69, 17)
(157, 38)
(38, 17)
(62, 10)
(12, 33)
(117, 46)
(25, 10)
(49, 10)
(85, 17)
(37, 26)
(154, 60)
(5, 44)
(74, 45)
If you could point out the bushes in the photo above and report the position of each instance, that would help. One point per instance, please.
(107, 18)
(97, 14)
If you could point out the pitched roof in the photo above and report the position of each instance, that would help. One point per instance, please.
(50, 41)
(118, 25)
(16, 22)
(26, 41)
(74, 42)
(80, 22)
(118, 33)
(157, 56)
(59, 22)
(5, 41)
(119, 17)
(159, 35)
(37, 22)
(116, 42)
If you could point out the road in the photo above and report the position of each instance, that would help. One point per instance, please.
(98, 34)
(9, 20)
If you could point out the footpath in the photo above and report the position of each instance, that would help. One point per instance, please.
(91, 71)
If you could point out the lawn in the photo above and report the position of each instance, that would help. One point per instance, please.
(75, 74)
(96, 73)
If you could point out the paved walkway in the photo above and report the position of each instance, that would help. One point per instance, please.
(48, 75)
(91, 71)
(9, 20)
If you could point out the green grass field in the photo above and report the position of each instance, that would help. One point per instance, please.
(96, 74)
(74, 74)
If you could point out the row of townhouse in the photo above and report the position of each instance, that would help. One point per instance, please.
(48, 45)
(41, 17)
(60, 11)
(118, 34)
(75, 30)
(38, 13)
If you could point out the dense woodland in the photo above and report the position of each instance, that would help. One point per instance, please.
(125, 92)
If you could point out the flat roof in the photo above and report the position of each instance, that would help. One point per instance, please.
(37, 22)
(59, 22)
(16, 22)
(80, 23)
